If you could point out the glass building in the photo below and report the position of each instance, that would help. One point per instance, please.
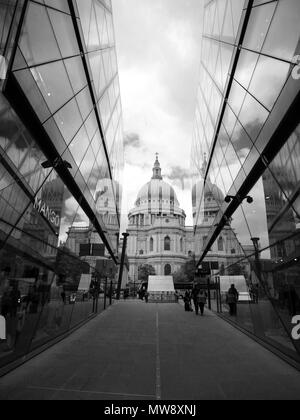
(246, 155)
(61, 162)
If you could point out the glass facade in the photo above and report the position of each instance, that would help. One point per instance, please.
(61, 163)
(246, 155)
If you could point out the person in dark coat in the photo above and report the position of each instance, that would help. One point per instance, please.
(187, 301)
(232, 299)
(199, 299)
(15, 297)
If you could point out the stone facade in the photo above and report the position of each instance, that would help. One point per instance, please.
(159, 236)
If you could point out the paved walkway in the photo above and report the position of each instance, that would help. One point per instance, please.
(140, 351)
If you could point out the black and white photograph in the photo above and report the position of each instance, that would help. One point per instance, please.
(150, 203)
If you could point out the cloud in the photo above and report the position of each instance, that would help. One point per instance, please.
(132, 140)
(158, 50)
(179, 174)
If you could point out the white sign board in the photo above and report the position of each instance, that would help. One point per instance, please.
(160, 284)
(85, 281)
(2, 328)
(3, 67)
(238, 281)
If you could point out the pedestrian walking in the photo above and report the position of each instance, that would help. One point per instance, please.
(187, 301)
(255, 293)
(232, 299)
(201, 299)
(63, 296)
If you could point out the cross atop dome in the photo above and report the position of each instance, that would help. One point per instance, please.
(156, 169)
(204, 165)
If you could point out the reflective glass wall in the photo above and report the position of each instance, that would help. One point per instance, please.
(61, 162)
(245, 157)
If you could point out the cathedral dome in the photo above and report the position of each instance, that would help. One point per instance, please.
(156, 190)
(107, 195)
(211, 192)
(157, 196)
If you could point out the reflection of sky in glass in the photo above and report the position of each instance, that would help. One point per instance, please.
(72, 215)
(250, 220)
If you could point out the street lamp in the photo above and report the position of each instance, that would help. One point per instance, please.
(257, 258)
(238, 198)
(125, 236)
(56, 163)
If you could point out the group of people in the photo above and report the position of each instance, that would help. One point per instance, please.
(198, 296)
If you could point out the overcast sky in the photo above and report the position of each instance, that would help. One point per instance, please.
(158, 49)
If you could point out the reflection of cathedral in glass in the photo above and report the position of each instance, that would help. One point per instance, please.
(207, 199)
(60, 133)
(247, 126)
(43, 218)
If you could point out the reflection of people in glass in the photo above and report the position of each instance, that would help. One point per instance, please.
(232, 299)
(15, 298)
(63, 296)
(34, 300)
(254, 293)
(293, 301)
(5, 303)
(10, 301)
(6, 299)
(187, 301)
(21, 318)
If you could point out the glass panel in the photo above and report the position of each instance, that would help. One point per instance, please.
(64, 33)
(87, 163)
(84, 9)
(268, 79)
(91, 125)
(246, 67)
(58, 4)
(54, 84)
(283, 36)
(27, 81)
(241, 142)
(258, 26)
(68, 120)
(84, 102)
(252, 116)
(76, 73)
(37, 41)
(236, 97)
(79, 145)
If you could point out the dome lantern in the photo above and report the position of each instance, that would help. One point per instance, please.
(156, 169)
